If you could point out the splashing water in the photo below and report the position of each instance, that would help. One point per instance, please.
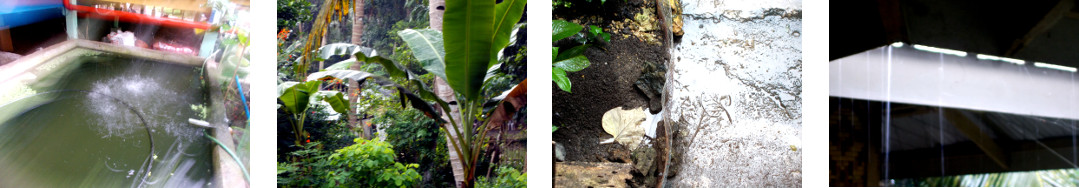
(90, 138)
(145, 93)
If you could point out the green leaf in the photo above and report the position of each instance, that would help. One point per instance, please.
(358, 76)
(338, 102)
(330, 50)
(507, 14)
(427, 94)
(575, 51)
(405, 96)
(343, 65)
(573, 64)
(394, 69)
(467, 30)
(426, 46)
(554, 53)
(417, 103)
(562, 29)
(297, 97)
(560, 78)
(284, 86)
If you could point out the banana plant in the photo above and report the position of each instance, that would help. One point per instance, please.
(296, 99)
(473, 34)
(474, 31)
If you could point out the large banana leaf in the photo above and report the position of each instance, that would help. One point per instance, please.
(394, 69)
(406, 96)
(358, 76)
(336, 100)
(284, 86)
(343, 65)
(507, 14)
(296, 98)
(329, 50)
(468, 27)
(426, 46)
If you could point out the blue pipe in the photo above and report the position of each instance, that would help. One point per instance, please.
(242, 98)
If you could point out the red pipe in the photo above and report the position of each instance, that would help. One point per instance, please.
(133, 17)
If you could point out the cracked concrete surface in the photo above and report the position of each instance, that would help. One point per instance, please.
(749, 52)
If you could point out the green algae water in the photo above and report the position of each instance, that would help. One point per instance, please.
(79, 125)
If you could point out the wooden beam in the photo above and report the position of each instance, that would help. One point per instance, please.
(1047, 22)
(972, 132)
(5, 40)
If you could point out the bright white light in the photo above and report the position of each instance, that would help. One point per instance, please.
(897, 44)
(1052, 66)
(941, 50)
(1004, 59)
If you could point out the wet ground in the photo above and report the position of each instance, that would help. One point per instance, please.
(608, 83)
(735, 95)
(733, 89)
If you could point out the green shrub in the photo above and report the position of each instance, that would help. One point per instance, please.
(368, 163)
(311, 165)
(417, 139)
(507, 178)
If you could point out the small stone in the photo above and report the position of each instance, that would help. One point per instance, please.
(643, 160)
(559, 152)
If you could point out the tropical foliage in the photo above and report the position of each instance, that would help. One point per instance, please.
(398, 94)
(507, 178)
(573, 59)
(368, 163)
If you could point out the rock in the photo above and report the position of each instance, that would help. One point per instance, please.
(559, 152)
(619, 154)
(651, 82)
(676, 20)
(643, 160)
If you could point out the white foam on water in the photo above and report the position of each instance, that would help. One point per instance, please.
(158, 105)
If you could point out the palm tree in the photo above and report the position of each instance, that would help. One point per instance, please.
(354, 91)
(436, 8)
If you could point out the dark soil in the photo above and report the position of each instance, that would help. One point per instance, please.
(606, 84)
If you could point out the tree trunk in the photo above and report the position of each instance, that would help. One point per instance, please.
(441, 88)
(357, 22)
(435, 10)
(353, 88)
(444, 92)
